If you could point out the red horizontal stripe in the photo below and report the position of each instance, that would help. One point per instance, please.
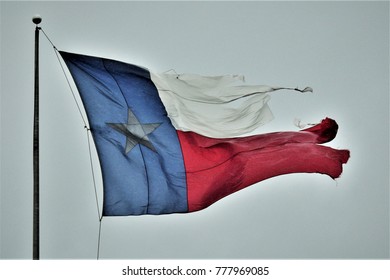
(216, 168)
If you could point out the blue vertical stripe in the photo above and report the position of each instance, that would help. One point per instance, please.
(142, 181)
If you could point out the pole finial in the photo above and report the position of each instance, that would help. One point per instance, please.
(37, 19)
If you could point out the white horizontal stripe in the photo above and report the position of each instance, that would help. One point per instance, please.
(212, 105)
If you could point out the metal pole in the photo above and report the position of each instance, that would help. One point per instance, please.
(36, 20)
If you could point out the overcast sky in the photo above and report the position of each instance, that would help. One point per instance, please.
(341, 50)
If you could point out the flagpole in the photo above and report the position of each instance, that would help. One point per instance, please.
(36, 20)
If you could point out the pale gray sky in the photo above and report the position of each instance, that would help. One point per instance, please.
(341, 50)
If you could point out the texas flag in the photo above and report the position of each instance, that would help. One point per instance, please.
(173, 143)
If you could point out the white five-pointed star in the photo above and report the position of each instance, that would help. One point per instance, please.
(135, 132)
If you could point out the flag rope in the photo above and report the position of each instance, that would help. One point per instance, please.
(71, 90)
(100, 214)
(47, 37)
(66, 77)
(99, 238)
